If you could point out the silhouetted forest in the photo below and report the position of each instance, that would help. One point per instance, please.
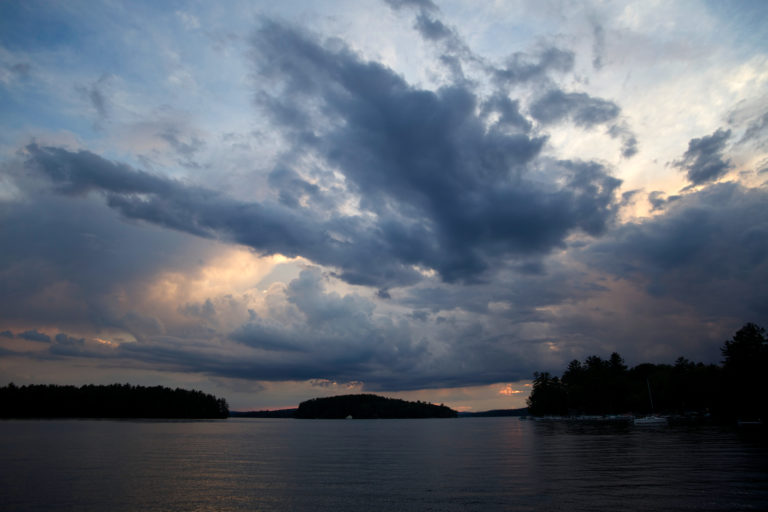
(736, 389)
(112, 401)
(366, 406)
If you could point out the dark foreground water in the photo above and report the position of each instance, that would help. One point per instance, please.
(362, 465)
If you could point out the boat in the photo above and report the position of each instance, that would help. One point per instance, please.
(650, 420)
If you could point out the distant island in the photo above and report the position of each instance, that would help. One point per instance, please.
(368, 406)
(110, 401)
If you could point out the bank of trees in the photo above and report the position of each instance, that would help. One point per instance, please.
(111, 401)
(737, 388)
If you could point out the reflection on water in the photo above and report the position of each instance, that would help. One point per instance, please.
(459, 464)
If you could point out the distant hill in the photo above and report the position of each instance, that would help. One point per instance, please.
(367, 406)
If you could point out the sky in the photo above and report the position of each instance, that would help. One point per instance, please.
(274, 201)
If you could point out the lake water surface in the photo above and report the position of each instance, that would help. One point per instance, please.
(361, 465)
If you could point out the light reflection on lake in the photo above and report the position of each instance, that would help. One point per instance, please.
(401, 465)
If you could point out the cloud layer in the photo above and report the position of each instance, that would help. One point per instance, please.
(436, 184)
(457, 200)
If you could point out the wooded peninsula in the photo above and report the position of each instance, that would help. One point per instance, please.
(737, 389)
(110, 401)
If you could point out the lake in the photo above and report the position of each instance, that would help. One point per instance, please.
(362, 465)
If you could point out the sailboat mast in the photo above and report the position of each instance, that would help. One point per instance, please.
(650, 396)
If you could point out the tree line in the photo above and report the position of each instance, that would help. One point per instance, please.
(735, 389)
(108, 401)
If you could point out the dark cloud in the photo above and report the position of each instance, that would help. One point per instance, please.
(704, 160)
(507, 112)
(628, 196)
(34, 335)
(270, 338)
(322, 335)
(627, 137)
(293, 188)
(659, 201)
(64, 339)
(448, 180)
(522, 67)
(701, 239)
(707, 251)
(432, 29)
(76, 173)
(136, 194)
(629, 147)
(65, 345)
(70, 261)
(584, 110)
(380, 369)
(343, 339)
(678, 283)
(446, 191)
(449, 193)
(525, 295)
(423, 5)
(456, 55)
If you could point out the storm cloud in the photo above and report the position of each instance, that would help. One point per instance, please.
(704, 160)
(449, 194)
(708, 251)
(436, 188)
